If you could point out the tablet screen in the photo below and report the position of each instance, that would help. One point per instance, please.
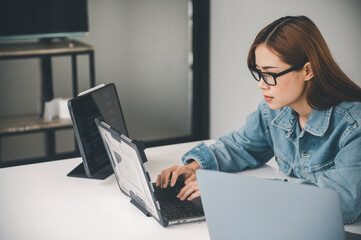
(104, 103)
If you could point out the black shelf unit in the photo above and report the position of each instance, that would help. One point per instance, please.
(44, 50)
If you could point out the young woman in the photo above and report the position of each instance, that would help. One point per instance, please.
(310, 119)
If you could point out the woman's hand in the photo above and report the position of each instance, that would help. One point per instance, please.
(189, 191)
(188, 172)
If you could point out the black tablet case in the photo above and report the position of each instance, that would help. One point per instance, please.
(99, 102)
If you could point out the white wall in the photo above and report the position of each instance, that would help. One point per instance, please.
(234, 25)
(141, 46)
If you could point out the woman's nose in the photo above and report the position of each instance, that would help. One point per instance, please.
(262, 84)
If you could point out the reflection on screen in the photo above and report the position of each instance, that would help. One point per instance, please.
(100, 103)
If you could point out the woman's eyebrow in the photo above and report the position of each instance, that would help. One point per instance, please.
(266, 67)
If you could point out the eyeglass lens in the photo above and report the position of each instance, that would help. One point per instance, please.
(269, 79)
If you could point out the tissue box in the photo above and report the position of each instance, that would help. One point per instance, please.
(56, 108)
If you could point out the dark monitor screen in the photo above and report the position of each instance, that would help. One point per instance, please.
(42, 18)
(103, 103)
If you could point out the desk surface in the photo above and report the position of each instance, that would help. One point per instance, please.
(39, 201)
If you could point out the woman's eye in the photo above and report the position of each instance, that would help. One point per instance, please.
(264, 76)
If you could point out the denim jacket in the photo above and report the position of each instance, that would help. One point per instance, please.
(326, 152)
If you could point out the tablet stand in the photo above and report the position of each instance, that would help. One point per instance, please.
(102, 174)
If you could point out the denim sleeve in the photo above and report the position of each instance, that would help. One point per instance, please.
(345, 178)
(250, 147)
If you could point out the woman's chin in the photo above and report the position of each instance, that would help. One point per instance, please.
(274, 106)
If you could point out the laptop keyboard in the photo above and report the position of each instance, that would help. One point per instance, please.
(173, 208)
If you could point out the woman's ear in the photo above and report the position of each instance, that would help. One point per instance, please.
(308, 71)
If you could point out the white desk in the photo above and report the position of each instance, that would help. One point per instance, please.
(39, 201)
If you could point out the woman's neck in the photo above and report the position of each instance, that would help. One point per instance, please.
(304, 111)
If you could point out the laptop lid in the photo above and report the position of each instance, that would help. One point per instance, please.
(242, 207)
(101, 101)
(127, 159)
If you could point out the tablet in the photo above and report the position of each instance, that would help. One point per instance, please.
(99, 102)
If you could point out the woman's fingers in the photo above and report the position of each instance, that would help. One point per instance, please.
(175, 172)
(178, 172)
(163, 177)
(192, 178)
(194, 195)
(157, 183)
(189, 189)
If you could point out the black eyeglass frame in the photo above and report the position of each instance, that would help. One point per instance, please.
(274, 75)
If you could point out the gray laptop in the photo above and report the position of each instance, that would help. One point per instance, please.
(128, 160)
(242, 207)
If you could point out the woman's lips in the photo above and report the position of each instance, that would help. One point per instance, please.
(267, 98)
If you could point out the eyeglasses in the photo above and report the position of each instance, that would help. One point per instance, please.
(270, 78)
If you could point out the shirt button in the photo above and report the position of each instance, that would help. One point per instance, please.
(197, 149)
(305, 155)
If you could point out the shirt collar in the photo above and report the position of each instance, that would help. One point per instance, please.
(317, 123)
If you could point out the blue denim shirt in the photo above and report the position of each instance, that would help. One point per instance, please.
(326, 152)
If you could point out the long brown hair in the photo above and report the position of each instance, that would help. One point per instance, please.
(297, 40)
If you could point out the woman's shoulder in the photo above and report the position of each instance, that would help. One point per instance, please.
(350, 110)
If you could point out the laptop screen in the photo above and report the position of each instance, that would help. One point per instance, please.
(128, 167)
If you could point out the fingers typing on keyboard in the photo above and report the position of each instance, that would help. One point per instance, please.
(174, 173)
(190, 191)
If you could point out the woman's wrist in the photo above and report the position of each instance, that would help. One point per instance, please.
(193, 165)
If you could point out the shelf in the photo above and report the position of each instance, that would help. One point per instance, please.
(45, 51)
(32, 123)
(32, 49)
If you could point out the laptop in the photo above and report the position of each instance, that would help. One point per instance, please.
(243, 207)
(128, 160)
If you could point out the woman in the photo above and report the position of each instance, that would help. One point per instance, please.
(309, 120)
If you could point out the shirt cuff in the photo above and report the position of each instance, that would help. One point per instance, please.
(203, 155)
